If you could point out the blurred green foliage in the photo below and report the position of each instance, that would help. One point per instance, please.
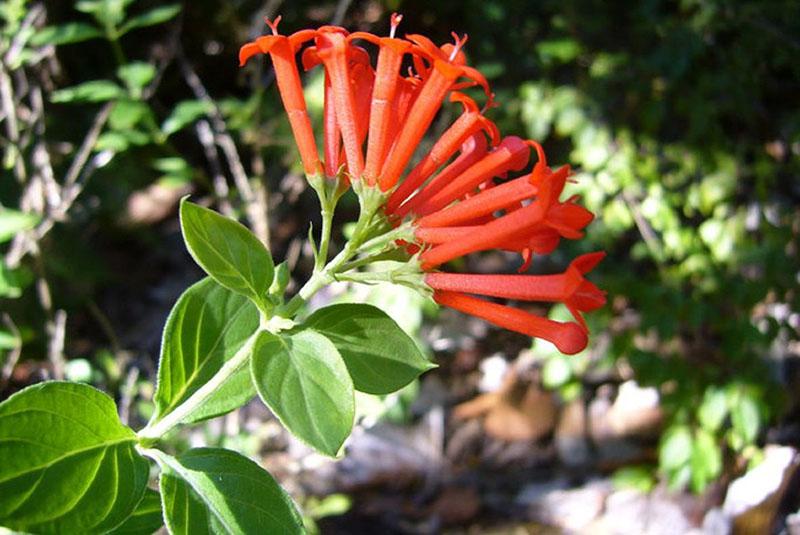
(681, 120)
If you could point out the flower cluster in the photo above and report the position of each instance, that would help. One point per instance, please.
(458, 198)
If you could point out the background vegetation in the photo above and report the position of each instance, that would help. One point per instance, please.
(681, 118)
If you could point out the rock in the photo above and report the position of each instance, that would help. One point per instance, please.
(753, 499)
(629, 512)
(570, 510)
(793, 524)
(456, 505)
(635, 411)
(570, 438)
(519, 411)
(717, 523)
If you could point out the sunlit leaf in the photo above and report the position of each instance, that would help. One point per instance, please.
(212, 490)
(67, 464)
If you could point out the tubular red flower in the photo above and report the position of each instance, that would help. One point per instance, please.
(387, 80)
(332, 48)
(438, 80)
(568, 337)
(570, 287)
(282, 49)
(509, 227)
(484, 203)
(468, 124)
(472, 150)
(510, 155)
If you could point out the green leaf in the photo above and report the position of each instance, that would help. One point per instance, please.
(8, 340)
(184, 114)
(109, 13)
(227, 251)
(13, 281)
(302, 378)
(634, 477)
(94, 91)
(379, 355)
(151, 18)
(71, 32)
(207, 326)
(13, 222)
(676, 447)
(67, 464)
(127, 114)
(213, 490)
(706, 461)
(146, 519)
(556, 371)
(745, 420)
(713, 409)
(136, 75)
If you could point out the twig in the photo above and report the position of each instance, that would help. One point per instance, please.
(128, 392)
(88, 144)
(56, 333)
(341, 11)
(648, 234)
(13, 354)
(221, 190)
(255, 201)
(71, 188)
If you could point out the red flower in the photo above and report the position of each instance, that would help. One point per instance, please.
(282, 49)
(457, 197)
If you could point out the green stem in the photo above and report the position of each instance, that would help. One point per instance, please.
(324, 239)
(157, 429)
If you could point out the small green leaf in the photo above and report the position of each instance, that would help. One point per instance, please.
(227, 251)
(151, 18)
(13, 222)
(8, 340)
(706, 461)
(676, 447)
(114, 141)
(67, 464)
(634, 477)
(379, 355)
(136, 75)
(94, 91)
(745, 419)
(71, 32)
(207, 326)
(146, 519)
(713, 409)
(302, 378)
(213, 490)
(13, 281)
(127, 114)
(184, 114)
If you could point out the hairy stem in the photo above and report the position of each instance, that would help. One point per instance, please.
(157, 429)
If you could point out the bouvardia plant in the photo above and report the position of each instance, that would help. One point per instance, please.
(67, 463)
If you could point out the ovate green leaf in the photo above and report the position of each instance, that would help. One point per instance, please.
(302, 378)
(136, 75)
(207, 326)
(151, 18)
(67, 464)
(676, 447)
(379, 355)
(94, 91)
(185, 113)
(212, 490)
(227, 251)
(71, 32)
(146, 519)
